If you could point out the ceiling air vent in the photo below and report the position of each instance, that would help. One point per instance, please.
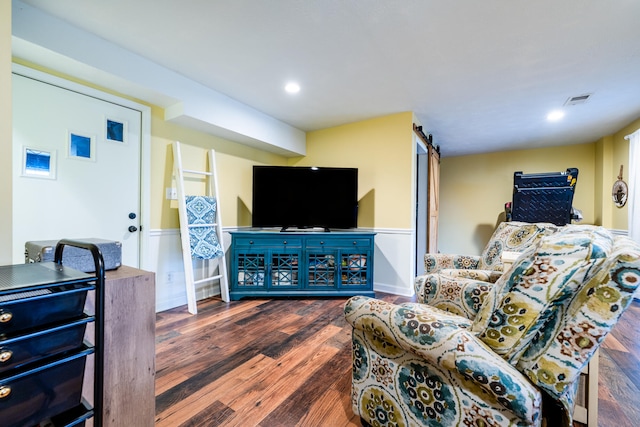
(580, 99)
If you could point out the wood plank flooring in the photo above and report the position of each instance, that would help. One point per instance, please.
(619, 381)
(287, 362)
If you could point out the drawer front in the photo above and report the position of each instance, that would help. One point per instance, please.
(271, 242)
(25, 349)
(345, 244)
(54, 305)
(30, 397)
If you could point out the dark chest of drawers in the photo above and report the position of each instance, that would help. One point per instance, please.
(43, 350)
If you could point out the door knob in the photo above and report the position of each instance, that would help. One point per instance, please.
(133, 229)
(132, 215)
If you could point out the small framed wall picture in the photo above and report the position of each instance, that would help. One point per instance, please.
(81, 147)
(116, 130)
(620, 191)
(38, 162)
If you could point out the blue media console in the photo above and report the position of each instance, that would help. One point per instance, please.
(267, 263)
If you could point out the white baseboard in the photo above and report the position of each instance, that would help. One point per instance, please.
(394, 290)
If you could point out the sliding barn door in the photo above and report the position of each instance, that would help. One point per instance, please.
(434, 186)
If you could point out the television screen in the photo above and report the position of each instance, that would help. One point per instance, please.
(305, 197)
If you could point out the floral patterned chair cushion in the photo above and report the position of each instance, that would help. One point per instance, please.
(417, 365)
(536, 329)
(511, 236)
(455, 294)
(574, 328)
(462, 289)
(541, 279)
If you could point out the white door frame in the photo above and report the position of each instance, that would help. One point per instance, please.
(145, 145)
(422, 205)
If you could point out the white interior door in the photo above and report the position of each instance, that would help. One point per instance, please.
(76, 165)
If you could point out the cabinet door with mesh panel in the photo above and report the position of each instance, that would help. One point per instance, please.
(322, 269)
(285, 270)
(252, 270)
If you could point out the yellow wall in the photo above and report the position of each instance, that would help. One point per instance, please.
(6, 132)
(234, 169)
(474, 189)
(620, 219)
(603, 212)
(381, 149)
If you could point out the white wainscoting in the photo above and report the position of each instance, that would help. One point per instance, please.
(394, 261)
(166, 260)
(394, 265)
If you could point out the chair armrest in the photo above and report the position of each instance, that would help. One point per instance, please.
(490, 276)
(436, 262)
(442, 339)
(457, 295)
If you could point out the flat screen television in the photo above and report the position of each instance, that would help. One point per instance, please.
(305, 197)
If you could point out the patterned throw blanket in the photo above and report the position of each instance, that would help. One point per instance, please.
(201, 212)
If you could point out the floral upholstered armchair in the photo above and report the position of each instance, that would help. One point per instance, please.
(511, 236)
(518, 362)
(457, 283)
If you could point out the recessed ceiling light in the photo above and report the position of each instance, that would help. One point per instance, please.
(292, 87)
(555, 115)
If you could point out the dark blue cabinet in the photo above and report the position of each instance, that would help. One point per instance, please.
(301, 263)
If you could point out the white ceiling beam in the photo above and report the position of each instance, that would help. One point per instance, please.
(46, 40)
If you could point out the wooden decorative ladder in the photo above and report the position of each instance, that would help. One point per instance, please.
(211, 184)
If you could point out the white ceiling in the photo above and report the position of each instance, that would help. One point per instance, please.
(479, 75)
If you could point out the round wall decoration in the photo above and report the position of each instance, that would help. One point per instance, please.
(619, 191)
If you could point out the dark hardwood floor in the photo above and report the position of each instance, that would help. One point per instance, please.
(287, 362)
(619, 380)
